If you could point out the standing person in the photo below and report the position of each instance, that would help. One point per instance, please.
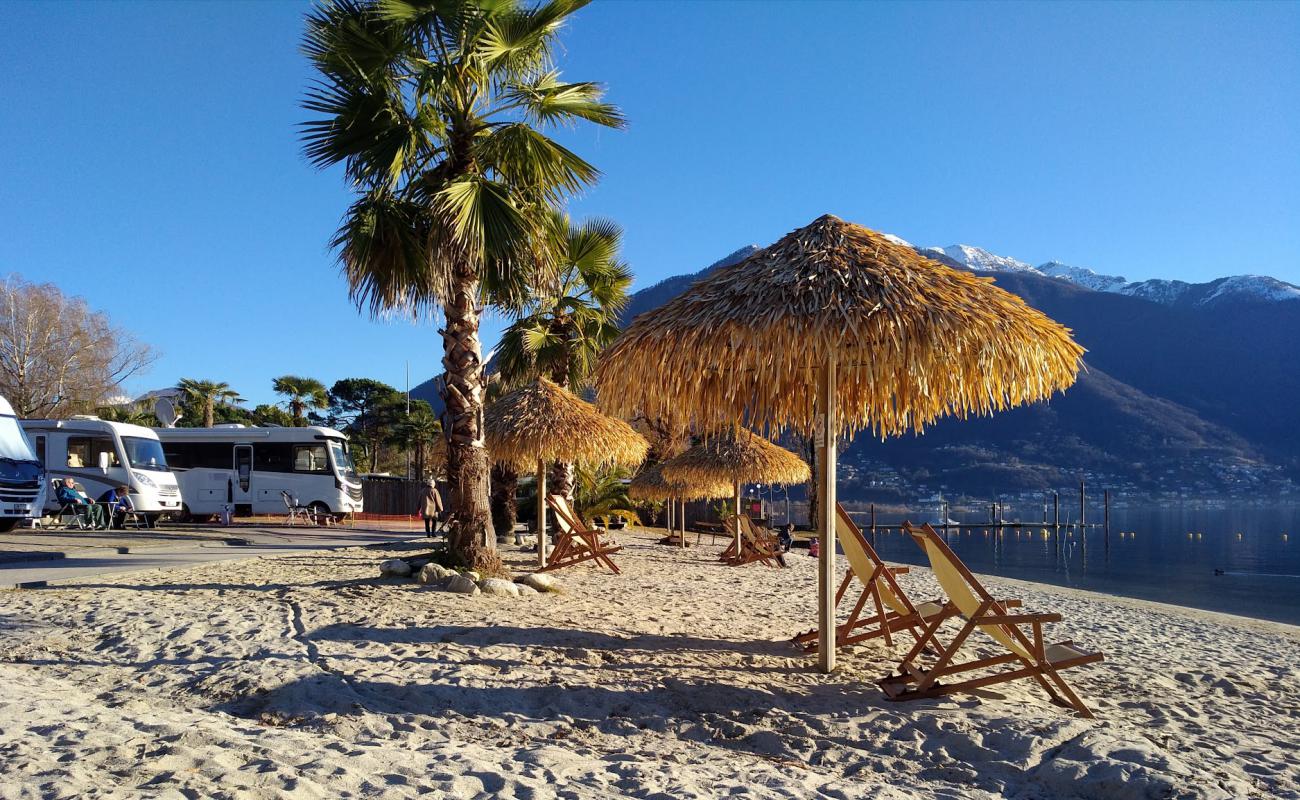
(69, 494)
(117, 502)
(431, 507)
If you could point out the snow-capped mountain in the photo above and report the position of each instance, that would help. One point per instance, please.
(980, 259)
(1234, 289)
(1083, 276)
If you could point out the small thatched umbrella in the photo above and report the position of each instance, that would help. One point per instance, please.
(737, 456)
(651, 484)
(542, 422)
(834, 329)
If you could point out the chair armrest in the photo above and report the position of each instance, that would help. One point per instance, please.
(1017, 619)
(1011, 603)
(899, 570)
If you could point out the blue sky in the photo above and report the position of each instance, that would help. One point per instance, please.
(149, 157)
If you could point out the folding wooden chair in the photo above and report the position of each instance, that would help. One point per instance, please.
(883, 608)
(576, 543)
(755, 545)
(1020, 634)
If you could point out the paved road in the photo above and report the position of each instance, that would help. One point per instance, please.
(261, 541)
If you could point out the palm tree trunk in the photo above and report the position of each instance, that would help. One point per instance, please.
(208, 413)
(561, 476)
(470, 532)
(505, 480)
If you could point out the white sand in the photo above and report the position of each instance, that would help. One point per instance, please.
(307, 676)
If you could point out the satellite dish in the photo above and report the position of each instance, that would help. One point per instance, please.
(165, 411)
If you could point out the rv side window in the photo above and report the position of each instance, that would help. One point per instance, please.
(197, 455)
(310, 458)
(272, 457)
(83, 451)
(40, 449)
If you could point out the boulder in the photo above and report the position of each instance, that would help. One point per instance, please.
(394, 568)
(462, 585)
(433, 573)
(541, 582)
(472, 575)
(498, 587)
(525, 590)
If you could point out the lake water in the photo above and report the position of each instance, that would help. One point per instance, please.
(1167, 555)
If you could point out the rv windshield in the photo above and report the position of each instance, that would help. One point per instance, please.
(145, 453)
(342, 461)
(17, 462)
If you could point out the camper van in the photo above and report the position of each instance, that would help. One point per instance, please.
(22, 475)
(102, 455)
(246, 470)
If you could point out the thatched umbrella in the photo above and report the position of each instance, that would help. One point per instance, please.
(832, 330)
(651, 484)
(542, 422)
(736, 456)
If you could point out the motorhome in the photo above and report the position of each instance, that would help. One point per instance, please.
(102, 455)
(245, 470)
(22, 475)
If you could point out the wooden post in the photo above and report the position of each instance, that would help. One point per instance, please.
(541, 513)
(1105, 498)
(873, 524)
(737, 509)
(1083, 506)
(681, 521)
(825, 423)
(1056, 510)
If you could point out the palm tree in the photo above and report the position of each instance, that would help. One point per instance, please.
(602, 492)
(562, 327)
(301, 394)
(436, 110)
(419, 432)
(205, 395)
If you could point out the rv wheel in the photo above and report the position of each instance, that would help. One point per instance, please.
(320, 510)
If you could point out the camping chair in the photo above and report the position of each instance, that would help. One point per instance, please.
(296, 510)
(132, 517)
(755, 545)
(883, 608)
(78, 513)
(576, 543)
(1021, 635)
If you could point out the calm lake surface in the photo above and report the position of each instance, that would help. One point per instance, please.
(1167, 555)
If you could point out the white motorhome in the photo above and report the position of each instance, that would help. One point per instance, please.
(245, 469)
(22, 475)
(102, 455)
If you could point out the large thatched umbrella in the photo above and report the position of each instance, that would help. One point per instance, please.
(542, 422)
(651, 484)
(736, 456)
(834, 329)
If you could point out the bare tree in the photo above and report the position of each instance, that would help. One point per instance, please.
(57, 355)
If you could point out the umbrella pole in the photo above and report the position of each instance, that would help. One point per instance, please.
(681, 521)
(737, 509)
(541, 513)
(825, 438)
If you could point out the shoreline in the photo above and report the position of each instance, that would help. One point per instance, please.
(307, 675)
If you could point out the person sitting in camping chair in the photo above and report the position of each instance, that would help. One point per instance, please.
(70, 496)
(119, 505)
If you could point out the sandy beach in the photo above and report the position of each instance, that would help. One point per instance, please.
(309, 676)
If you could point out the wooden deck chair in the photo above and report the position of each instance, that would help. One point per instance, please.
(755, 545)
(883, 608)
(577, 542)
(1020, 634)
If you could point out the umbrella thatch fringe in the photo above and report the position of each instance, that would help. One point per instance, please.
(650, 484)
(542, 421)
(914, 340)
(736, 456)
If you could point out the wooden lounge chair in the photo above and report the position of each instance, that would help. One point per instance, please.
(755, 545)
(577, 542)
(1021, 635)
(883, 608)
